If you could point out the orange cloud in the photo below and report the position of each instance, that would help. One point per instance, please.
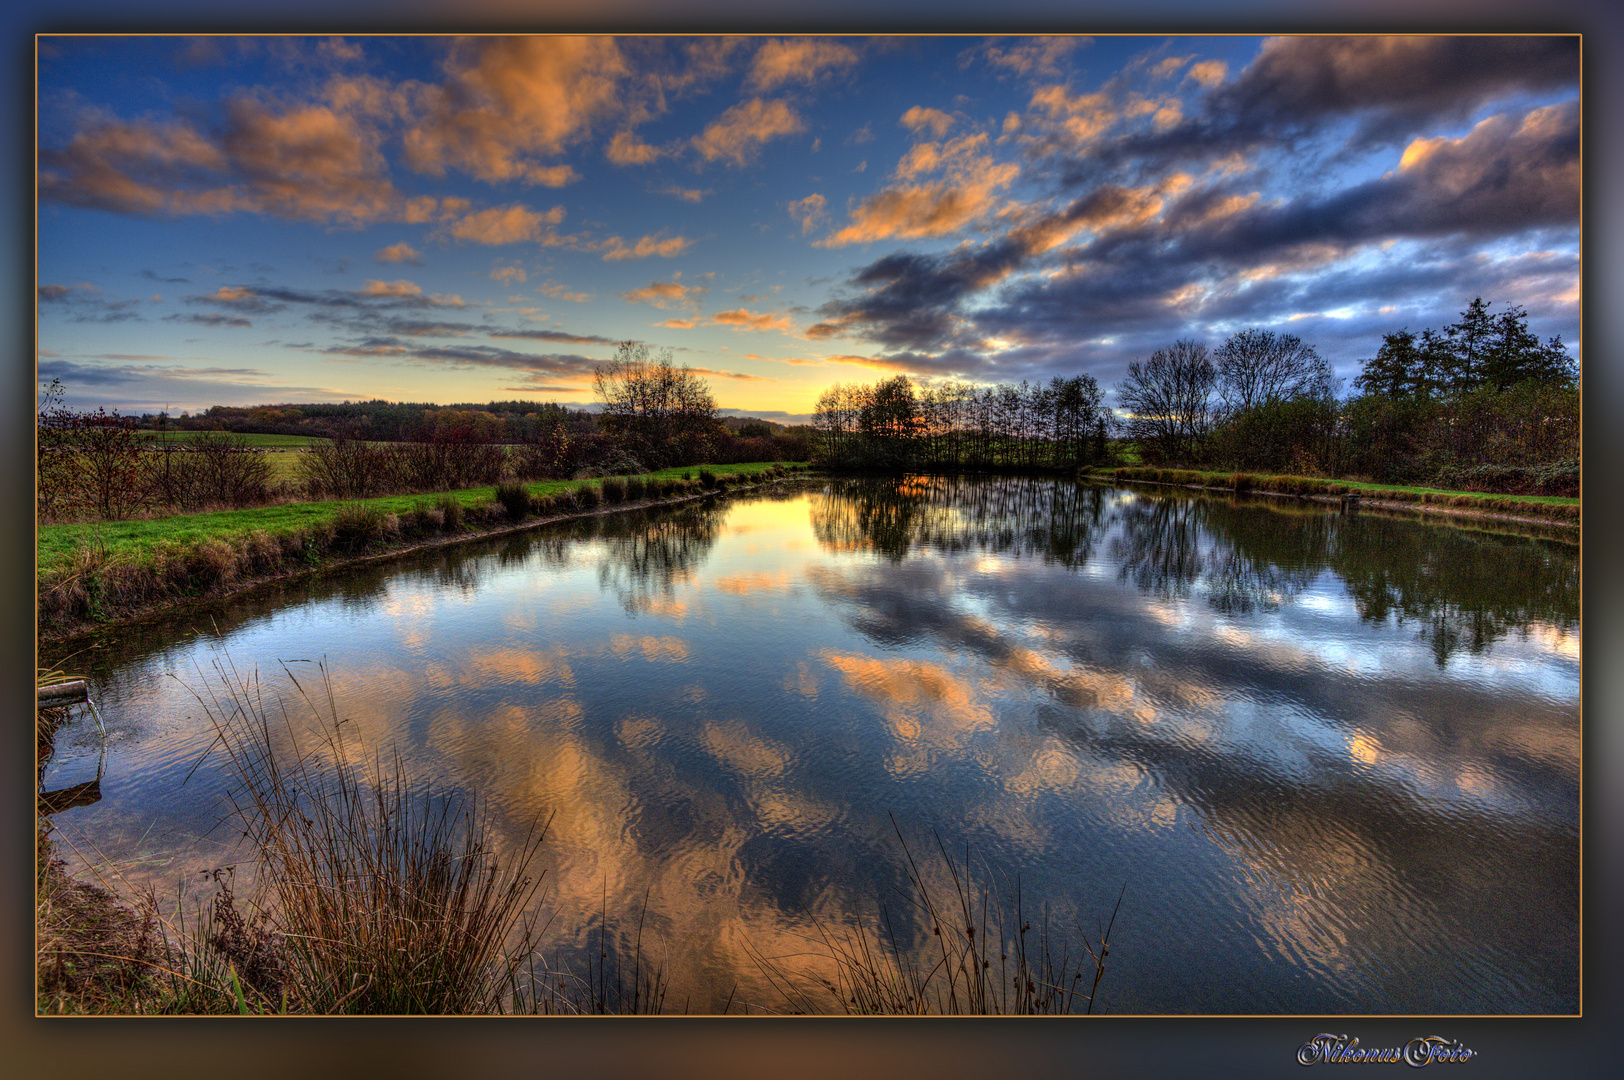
(508, 273)
(625, 149)
(390, 288)
(924, 210)
(798, 60)
(1168, 66)
(554, 291)
(313, 162)
(717, 373)
(1209, 73)
(735, 135)
(1083, 118)
(401, 252)
(967, 192)
(509, 99)
(659, 293)
(879, 363)
(511, 224)
(227, 294)
(614, 249)
(810, 210)
(740, 319)
(917, 117)
(1035, 56)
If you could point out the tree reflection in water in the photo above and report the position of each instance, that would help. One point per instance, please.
(648, 554)
(1464, 589)
(1040, 517)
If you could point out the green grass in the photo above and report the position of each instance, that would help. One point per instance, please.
(1549, 500)
(57, 544)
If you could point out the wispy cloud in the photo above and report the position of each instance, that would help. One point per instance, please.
(664, 293)
(615, 249)
(738, 133)
(797, 60)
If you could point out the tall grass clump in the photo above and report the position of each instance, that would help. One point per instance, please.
(586, 497)
(451, 513)
(707, 479)
(614, 490)
(355, 526)
(635, 487)
(384, 899)
(986, 954)
(515, 499)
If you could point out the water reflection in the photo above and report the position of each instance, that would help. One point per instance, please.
(1465, 589)
(1224, 705)
(1375, 810)
(648, 555)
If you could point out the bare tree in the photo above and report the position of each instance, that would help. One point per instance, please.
(1255, 366)
(663, 414)
(1168, 400)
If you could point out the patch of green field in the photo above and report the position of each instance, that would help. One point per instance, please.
(57, 543)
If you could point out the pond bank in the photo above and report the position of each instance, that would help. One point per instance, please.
(99, 591)
(1564, 517)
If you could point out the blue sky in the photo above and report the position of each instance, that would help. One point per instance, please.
(275, 219)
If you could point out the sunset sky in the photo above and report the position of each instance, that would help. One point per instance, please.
(285, 219)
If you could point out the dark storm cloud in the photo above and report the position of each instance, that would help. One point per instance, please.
(1395, 84)
(910, 300)
(1507, 175)
(1298, 86)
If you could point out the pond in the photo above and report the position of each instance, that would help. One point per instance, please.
(1329, 763)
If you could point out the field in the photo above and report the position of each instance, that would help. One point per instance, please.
(273, 442)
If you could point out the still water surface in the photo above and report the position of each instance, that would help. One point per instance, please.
(1330, 763)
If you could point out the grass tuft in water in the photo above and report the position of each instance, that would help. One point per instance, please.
(385, 900)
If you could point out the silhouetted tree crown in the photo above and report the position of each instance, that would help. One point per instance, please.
(1482, 349)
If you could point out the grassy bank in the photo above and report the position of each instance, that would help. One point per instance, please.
(92, 574)
(1542, 507)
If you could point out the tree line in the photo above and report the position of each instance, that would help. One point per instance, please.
(892, 424)
(1482, 404)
